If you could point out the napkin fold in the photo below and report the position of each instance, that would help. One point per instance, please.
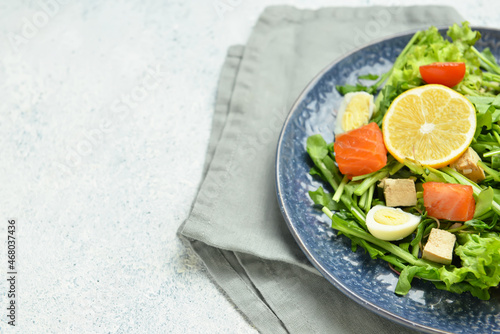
(235, 225)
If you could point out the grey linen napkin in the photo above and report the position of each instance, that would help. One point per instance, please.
(235, 225)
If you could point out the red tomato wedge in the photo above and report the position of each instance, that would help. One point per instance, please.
(449, 201)
(360, 151)
(447, 74)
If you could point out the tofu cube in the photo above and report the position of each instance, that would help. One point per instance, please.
(467, 166)
(439, 246)
(399, 192)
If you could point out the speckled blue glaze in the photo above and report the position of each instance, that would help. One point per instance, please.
(369, 282)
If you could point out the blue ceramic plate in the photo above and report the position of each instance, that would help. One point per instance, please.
(369, 282)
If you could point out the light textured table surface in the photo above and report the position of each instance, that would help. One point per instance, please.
(105, 116)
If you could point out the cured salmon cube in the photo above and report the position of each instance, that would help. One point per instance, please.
(360, 151)
(449, 201)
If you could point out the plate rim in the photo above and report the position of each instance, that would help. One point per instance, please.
(281, 202)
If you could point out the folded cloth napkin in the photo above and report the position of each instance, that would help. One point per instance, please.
(235, 225)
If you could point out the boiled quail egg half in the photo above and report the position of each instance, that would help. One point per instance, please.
(355, 110)
(390, 224)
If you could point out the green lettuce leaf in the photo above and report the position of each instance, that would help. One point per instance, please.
(480, 270)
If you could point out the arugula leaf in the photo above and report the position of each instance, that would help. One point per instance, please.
(318, 150)
(351, 228)
(350, 88)
(483, 120)
(429, 174)
(316, 147)
(320, 197)
(384, 100)
(488, 61)
(484, 202)
(481, 100)
(405, 278)
(368, 77)
(480, 225)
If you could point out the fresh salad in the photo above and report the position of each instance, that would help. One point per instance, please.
(412, 176)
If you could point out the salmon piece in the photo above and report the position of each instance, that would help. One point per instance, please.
(360, 151)
(449, 201)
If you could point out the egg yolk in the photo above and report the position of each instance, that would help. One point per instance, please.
(357, 112)
(390, 217)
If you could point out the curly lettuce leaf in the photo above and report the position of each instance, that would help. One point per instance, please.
(430, 47)
(480, 270)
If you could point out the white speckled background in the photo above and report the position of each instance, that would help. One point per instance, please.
(105, 114)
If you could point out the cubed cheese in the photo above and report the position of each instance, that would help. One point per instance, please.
(399, 192)
(467, 166)
(439, 246)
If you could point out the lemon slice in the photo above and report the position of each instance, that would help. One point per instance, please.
(355, 111)
(430, 124)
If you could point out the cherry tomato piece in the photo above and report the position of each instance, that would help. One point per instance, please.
(447, 74)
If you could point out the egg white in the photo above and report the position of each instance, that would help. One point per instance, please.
(391, 232)
(343, 106)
